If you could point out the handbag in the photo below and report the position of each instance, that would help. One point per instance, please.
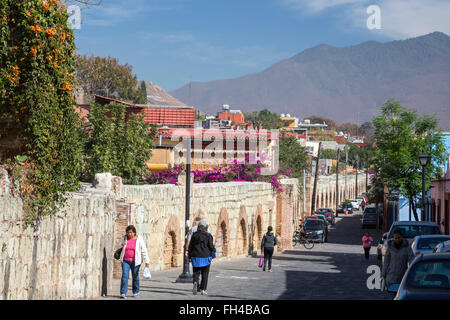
(117, 254)
(261, 262)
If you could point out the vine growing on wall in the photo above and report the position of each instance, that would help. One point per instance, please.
(37, 69)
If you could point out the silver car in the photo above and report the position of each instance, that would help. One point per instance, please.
(409, 229)
(427, 278)
(426, 244)
(442, 247)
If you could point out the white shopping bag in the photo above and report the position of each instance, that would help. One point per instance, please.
(147, 274)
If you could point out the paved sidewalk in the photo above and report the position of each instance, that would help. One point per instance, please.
(334, 270)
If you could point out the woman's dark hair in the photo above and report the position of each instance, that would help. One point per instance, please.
(132, 228)
(398, 231)
(269, 229)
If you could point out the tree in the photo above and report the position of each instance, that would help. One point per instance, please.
(293, 155)
(105, 76)
(37, 67)
(401, 135)
(268, 120)
(142, 94)
(116, 146)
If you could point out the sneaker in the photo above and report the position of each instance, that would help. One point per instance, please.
(270, 270)
(123, 296)
(204, 292)
(195, 288)
(136, 295)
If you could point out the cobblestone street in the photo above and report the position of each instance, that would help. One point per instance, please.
(333, 270)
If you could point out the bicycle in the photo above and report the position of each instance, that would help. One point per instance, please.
(300, 239)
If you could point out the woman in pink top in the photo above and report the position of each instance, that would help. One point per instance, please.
(134, 252)
(367, 243)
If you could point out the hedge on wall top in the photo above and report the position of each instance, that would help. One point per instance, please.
(37, 69)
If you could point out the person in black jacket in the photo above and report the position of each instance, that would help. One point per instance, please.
(268, 242)
(201, 252)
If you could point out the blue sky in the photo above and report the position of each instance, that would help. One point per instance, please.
(170, 42)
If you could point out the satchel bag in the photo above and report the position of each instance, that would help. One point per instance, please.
(261, 262)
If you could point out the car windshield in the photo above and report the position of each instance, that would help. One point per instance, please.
(430, 243)
(370, 216)
(370, 210)
(434, 274)
(324, 210)
(313, 225)
(411, 231)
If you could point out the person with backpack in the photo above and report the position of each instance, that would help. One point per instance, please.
(268, 242)
(200, 253)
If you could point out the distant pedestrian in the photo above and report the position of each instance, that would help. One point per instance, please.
(396, 260)
(367, 243)
(268, 242)
(133, 253)
(200, 253)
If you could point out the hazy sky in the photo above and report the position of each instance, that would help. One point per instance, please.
(170, 42)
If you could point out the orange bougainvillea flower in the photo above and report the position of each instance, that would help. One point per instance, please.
(46, 6)
(5, 18)
(33, 52)
(55, 65)
(15, 68)
(51, 32)
(38, 197)
(15, 47)
(21, 59)
(63, 37)
(28, 14)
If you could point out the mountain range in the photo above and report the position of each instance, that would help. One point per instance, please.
(346, 84)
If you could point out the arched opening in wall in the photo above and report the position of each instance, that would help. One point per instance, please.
(242, 238)
(222, 241)
(170, 245)
(259, 231)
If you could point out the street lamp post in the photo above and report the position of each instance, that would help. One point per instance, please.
(186, 277)
(367, 173)
(424, 160)
(356, 187)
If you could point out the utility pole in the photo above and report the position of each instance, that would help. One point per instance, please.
(345, 175)
(313, 204)
(356, 185)
(337, 179)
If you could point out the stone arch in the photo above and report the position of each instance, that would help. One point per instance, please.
(259, 228)
(242, 232)
(172, 244)
(222, 234)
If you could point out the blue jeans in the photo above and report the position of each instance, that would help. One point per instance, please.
(126, 267)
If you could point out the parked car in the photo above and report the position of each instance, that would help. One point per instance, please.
(315, 229)
(409, 229)
(329, 214)
(345, 207)
(442, 247)
(427, 278)
(325, 226)
(355, 204)
(369, 219)
(427, 243)
(370, 216)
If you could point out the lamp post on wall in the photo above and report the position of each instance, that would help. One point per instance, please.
(186, 277)
(356, 186)
(424, 159)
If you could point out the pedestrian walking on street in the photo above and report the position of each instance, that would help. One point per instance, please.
(134, 251)
(200, 253)
(367, 243)
(396, 260)
(268, 242)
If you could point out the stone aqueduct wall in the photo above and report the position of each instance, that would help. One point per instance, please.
(70, 255)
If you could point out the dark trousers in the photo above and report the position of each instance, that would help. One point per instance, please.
(268, 253)
(204, 271)
(366, 252)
